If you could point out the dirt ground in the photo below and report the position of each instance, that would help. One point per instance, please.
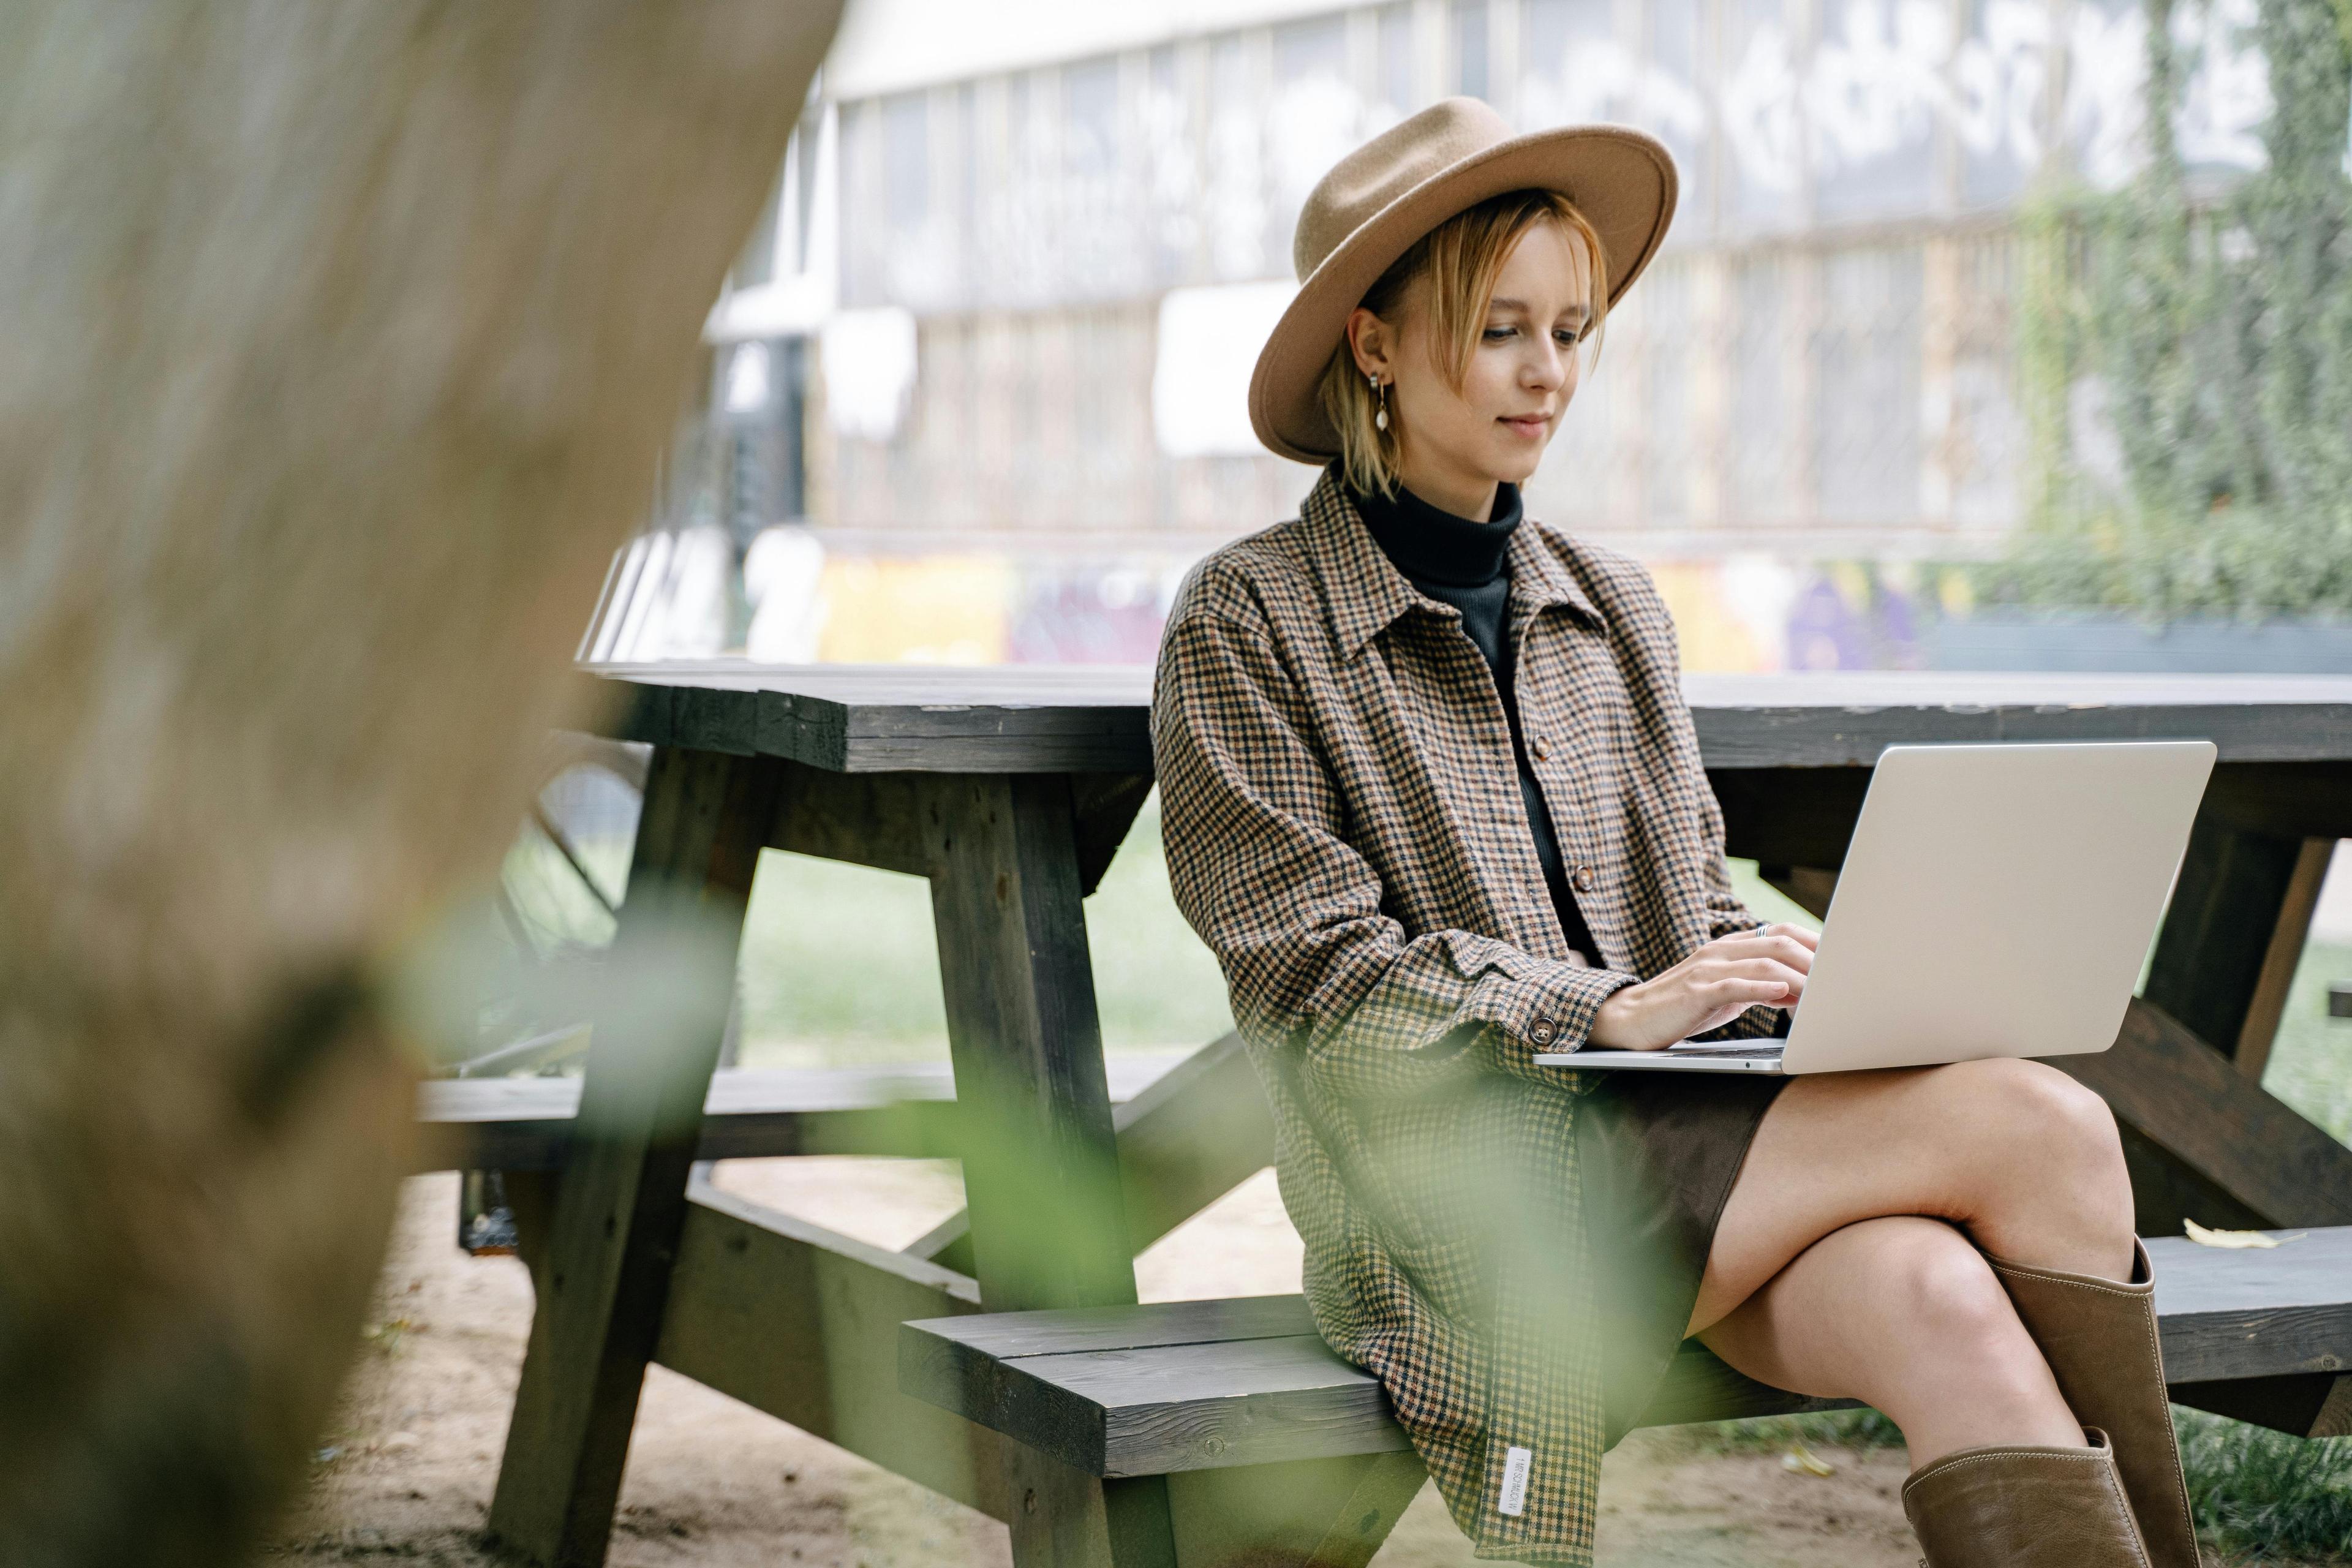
(407, 1474)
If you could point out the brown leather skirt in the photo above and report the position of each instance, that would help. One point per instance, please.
(1656, 1154)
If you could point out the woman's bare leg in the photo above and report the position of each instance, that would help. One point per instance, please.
(1904, 1314)
(2016, 1153)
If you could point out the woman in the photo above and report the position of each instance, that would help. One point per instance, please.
(1432, 797)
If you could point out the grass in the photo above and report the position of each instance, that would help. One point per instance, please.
(2259, 1496)
(2264, 1497)
(2311, 1057)
(1858, 1430)
(840, 966)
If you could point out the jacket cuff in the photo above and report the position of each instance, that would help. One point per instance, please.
(1553, 1012)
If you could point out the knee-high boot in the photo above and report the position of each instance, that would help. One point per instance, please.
(2024, 1507)
(2099, 1337)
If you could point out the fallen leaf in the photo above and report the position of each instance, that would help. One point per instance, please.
(1799, 1458)
(2204, 1237)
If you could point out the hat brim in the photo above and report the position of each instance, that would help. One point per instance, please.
(1621, 180)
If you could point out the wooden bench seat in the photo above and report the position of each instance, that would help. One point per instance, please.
(525, 1123)
(2263, 1335)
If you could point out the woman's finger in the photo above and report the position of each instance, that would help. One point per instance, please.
(1764, 969)
(1784, 946)
(1740, 994)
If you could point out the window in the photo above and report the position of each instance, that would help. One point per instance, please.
(1303, 49)
(1236, 193)
(1098, 241)
(1574, 68)
(1170, 192)
(757, 262)
(1396, 60)
(1470, 47)
(1867, 418)
(1672, 108)
(804, 156)
(905, 162)
(1090, 97)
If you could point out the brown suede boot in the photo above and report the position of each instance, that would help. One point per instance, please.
(2024, 1507)
(2099, 1338)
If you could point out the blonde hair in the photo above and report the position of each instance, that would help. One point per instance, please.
(1461, 258)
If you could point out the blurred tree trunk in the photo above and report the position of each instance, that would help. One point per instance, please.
(337, 344)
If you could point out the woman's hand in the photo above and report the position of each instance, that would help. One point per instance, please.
(1708, 989)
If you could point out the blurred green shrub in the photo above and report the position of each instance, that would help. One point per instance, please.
(2262, 1496)
(2207, 336)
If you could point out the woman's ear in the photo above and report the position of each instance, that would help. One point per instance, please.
(1373, 344)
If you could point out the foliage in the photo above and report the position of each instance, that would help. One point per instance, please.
(2261, 1494)
(2209, 336)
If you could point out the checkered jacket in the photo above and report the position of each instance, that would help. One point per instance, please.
(1344, 829)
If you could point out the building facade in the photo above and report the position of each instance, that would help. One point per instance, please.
(1013, 282)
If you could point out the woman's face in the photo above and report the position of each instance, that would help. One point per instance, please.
(1456, 444)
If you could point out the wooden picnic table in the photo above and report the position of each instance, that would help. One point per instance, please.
(1009, 789)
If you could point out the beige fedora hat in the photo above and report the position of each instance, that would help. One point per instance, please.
(1387, 194)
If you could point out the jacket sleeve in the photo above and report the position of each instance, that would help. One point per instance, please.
(1726, 915)
(1253, 823)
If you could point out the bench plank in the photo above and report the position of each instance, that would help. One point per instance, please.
(2256, 1313)
(1179, 1387)
(1154, 1325)
(525, 1123)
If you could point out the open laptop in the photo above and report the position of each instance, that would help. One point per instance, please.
(1996, 900)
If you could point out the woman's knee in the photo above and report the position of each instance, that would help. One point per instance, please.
(1931, 1275)
(1951, 1317)
(2045, 1123)
(2042, 1153)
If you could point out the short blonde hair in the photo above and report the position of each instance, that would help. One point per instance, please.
(1461, 258)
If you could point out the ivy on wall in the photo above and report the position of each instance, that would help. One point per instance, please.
(2186, 358)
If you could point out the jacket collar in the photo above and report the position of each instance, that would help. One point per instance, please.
(1539, 579)
(1365, 594)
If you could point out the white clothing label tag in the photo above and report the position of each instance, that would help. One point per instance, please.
(1516, 1464)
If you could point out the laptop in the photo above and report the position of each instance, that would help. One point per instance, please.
(1995, 900)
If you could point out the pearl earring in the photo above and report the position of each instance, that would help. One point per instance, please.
(1380, 419)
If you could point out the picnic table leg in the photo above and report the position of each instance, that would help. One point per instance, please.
(1041, 1165)
(1041, 1169)
(1048, 1225)
(604, 1275)
(1318, 1514)
(2233, 935)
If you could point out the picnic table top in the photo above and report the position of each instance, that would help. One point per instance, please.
(1093, 718)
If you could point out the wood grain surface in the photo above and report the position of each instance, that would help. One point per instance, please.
(1179, 1387)
(1069, 718)
(525, 1123)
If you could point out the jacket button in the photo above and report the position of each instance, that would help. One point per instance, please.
(1541, 747)
(1583, 880)
(1543, 1031)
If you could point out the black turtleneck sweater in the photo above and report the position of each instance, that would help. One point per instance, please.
(1464, 564)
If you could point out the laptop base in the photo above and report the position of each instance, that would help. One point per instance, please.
(1684, 1058)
